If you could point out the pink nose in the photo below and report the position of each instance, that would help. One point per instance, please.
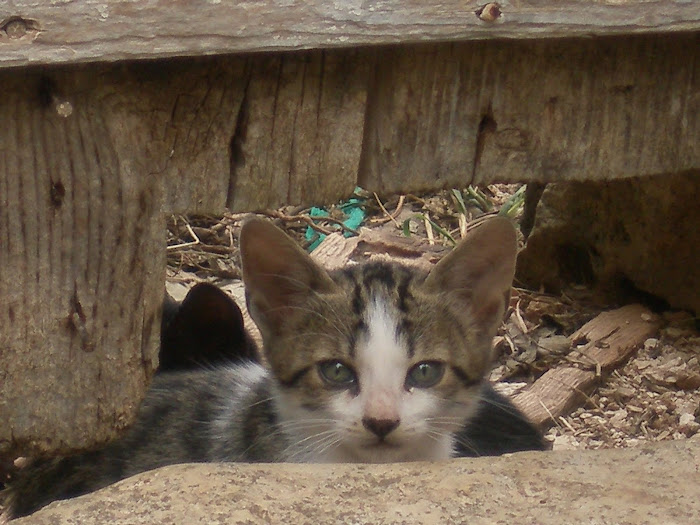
(380, 427)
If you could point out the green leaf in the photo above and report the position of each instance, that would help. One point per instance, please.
(513, 205)
(460, 201)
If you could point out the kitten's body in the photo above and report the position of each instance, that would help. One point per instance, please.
(374, 363)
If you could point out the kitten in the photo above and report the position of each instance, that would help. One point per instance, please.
(372, 363)
(206, 329)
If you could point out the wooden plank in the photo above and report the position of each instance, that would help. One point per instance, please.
(600, 345)
(81, 269)
(52, 32)
(607, 341)
(473, 113)
(298, 132)
(261, 131)
(335, 251)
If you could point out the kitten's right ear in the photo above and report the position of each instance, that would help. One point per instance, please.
(479, 272)
(278, 274)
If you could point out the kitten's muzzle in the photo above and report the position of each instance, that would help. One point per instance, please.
(380, 427)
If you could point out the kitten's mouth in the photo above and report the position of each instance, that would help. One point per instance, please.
(383, 445)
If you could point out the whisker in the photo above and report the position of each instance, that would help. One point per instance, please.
(304, 424)
(506, 407)
(467, 444)
(331, 444)
(261, 401)
(284, 428)
(314, 442)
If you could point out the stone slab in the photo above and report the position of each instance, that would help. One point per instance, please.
(655, 484)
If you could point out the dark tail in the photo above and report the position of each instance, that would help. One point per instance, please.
(46, 480)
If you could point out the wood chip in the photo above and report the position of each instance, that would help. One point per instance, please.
(335, 251)
(559, 390)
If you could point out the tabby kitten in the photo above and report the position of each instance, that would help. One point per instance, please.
(372, 363)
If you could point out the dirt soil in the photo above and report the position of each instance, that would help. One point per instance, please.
(654, 396)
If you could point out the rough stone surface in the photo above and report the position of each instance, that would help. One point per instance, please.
(623, 236)
(655, 484)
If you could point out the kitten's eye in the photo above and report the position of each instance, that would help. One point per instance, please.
(336, 373)
(425, 374)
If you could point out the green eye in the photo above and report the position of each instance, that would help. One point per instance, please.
(336, 373)
(425, 374)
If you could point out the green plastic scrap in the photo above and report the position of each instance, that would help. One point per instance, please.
(354, 213)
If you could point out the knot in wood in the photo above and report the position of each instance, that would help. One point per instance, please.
(15, 28)
(489, 12)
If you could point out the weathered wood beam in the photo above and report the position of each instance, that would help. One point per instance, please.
(81, 265)
(53, 32)
(448, 115)
(259, 131)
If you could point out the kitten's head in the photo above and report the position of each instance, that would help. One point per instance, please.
(204, 330)
(377, 362)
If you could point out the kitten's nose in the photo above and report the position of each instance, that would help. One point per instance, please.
(380, 427)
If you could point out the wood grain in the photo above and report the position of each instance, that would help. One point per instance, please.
(260, 131)
(450, 115)
(299, 129)
(52, 32)
(81, 267)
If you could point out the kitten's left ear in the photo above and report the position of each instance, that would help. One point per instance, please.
(278, 275)
(479, 272)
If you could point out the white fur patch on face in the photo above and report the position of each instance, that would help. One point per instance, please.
(382, 359)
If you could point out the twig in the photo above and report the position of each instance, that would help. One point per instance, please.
(481, 219)
(339, 223)
(389, 216)
(462, 225)
(310, 221)
(519, 319)
(549, 413)
(428, 229)
(292, 218)
(216, 249)
(567, 424)
(511, 344)
(185, 244)
(417, 199)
